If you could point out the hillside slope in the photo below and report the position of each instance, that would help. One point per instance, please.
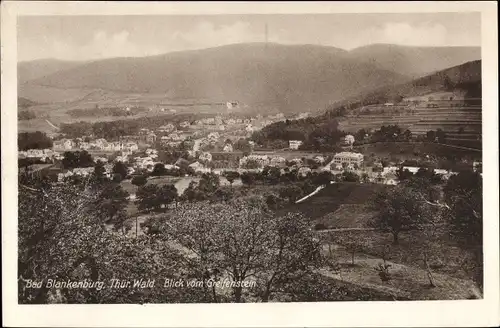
(464, 78)
(30, 70)
(415, 61)
(290, 78)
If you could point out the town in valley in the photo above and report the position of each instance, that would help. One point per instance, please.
(257, 171)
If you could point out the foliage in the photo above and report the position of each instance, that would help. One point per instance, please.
(464, 194)
(121, 169)
(139, 180)
(400, 208)
(241, 240)
(26, 115)
(248, 178)
(99, 172)
(403, 174)
(316, 133)
(349, 176)
(151, 197)
(73, 159)
(159, 170)
(33, 140)
(231, 176)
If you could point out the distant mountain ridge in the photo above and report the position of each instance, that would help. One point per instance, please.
(465, 77)
(290, 78)
(415, 61)
(31, 70)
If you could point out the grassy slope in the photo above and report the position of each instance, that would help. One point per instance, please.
(331, 198)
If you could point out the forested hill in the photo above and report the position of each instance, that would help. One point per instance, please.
(319, 131)
(290, 78)
(465, 78)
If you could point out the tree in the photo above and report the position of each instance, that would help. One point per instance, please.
(99, 172)
(243, 145)
(139, 180)
(209, 183)
(121, 169)
(290, 193)
(147, 199)
(464, 202)
(322, 178)
(243, 240)
(271, 174)
(231, 176)
(440, 136)
(33, 140)
(112, 200)
(431, 136)
(167, 195)
(403, 173)
(407, 135)
(159, 170)
(248, 178)
(74, 159)
(401, 208)
(62, 233)
(349, 176)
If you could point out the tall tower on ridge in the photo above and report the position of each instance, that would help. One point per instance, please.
(266, 32)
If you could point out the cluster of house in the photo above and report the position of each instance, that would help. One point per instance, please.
(140, 162)
(98, 144)
(389, 174)
(80, 171)
(346, 160)
(275, 160)
(42, 154)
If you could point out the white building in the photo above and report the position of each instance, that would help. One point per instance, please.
(319, 159)
(349, 158)
(228, 148)
(294, 144)
(349, 140)
(303, 171)
(185, 124)
(277, 161)
(205, 156)
(213, 136)
(63, 144)
(199, 168)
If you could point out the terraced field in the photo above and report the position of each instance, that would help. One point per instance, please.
(463, 125)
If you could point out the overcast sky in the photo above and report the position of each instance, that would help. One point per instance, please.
(96, 37)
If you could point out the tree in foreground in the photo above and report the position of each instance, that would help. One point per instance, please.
(243, 241)
(464, 202)
(63, 236)
(400, 209)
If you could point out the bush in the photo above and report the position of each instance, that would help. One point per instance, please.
(383, 271)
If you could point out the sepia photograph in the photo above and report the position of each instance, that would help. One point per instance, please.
(249, 158)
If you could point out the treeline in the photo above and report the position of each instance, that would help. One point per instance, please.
(106, 111)
(25, 115)
(315, 133)
(115, 129)
(33, 140)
